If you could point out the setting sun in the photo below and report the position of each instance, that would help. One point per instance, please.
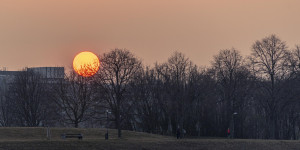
(86, 64)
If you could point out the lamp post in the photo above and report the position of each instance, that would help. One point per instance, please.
(235, 113)
(106, 134)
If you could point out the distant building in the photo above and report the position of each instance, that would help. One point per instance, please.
(51, 74)
(6, 78)
(45, 72)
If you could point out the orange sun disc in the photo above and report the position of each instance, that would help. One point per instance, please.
(86, 64)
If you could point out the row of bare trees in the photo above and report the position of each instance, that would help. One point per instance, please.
(255, 96)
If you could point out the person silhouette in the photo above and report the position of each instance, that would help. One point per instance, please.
(178, 133)
(228, 133)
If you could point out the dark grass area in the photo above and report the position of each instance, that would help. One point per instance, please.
(35, 139)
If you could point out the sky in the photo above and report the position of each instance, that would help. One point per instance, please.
(37, 33)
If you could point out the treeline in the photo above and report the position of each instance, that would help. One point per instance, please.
(257, 96)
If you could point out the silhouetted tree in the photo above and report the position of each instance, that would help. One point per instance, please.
(6, 105)
(175, 75)
(117, 69)
(271, 65)
(27, 94)
(76, 98)
(233, 83)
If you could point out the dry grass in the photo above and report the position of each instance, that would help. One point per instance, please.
(35, 139)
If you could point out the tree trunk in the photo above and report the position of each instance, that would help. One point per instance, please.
(76, 124)
(118, 125)
(119, 132)
(272, 126)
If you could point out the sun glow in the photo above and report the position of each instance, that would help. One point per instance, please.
(86, 64)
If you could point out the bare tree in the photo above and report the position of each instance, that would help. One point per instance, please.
(27, 93)
(270, 60)
(6, 105)
(75, 98)
(295, 59)
(175, 74)
(118, 68)
(227, 65)
(147, 91)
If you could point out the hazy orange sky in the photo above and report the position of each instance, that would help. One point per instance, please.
(51, 32)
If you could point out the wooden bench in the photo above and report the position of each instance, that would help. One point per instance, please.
(79, 136)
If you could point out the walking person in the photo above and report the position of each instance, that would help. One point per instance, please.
(178, 133)
(183, 133)
(228, 133)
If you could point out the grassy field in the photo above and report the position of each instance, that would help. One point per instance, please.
(35, 139)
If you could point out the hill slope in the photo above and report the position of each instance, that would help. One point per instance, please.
(35, 139)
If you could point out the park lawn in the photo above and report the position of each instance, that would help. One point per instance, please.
(93, 139)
